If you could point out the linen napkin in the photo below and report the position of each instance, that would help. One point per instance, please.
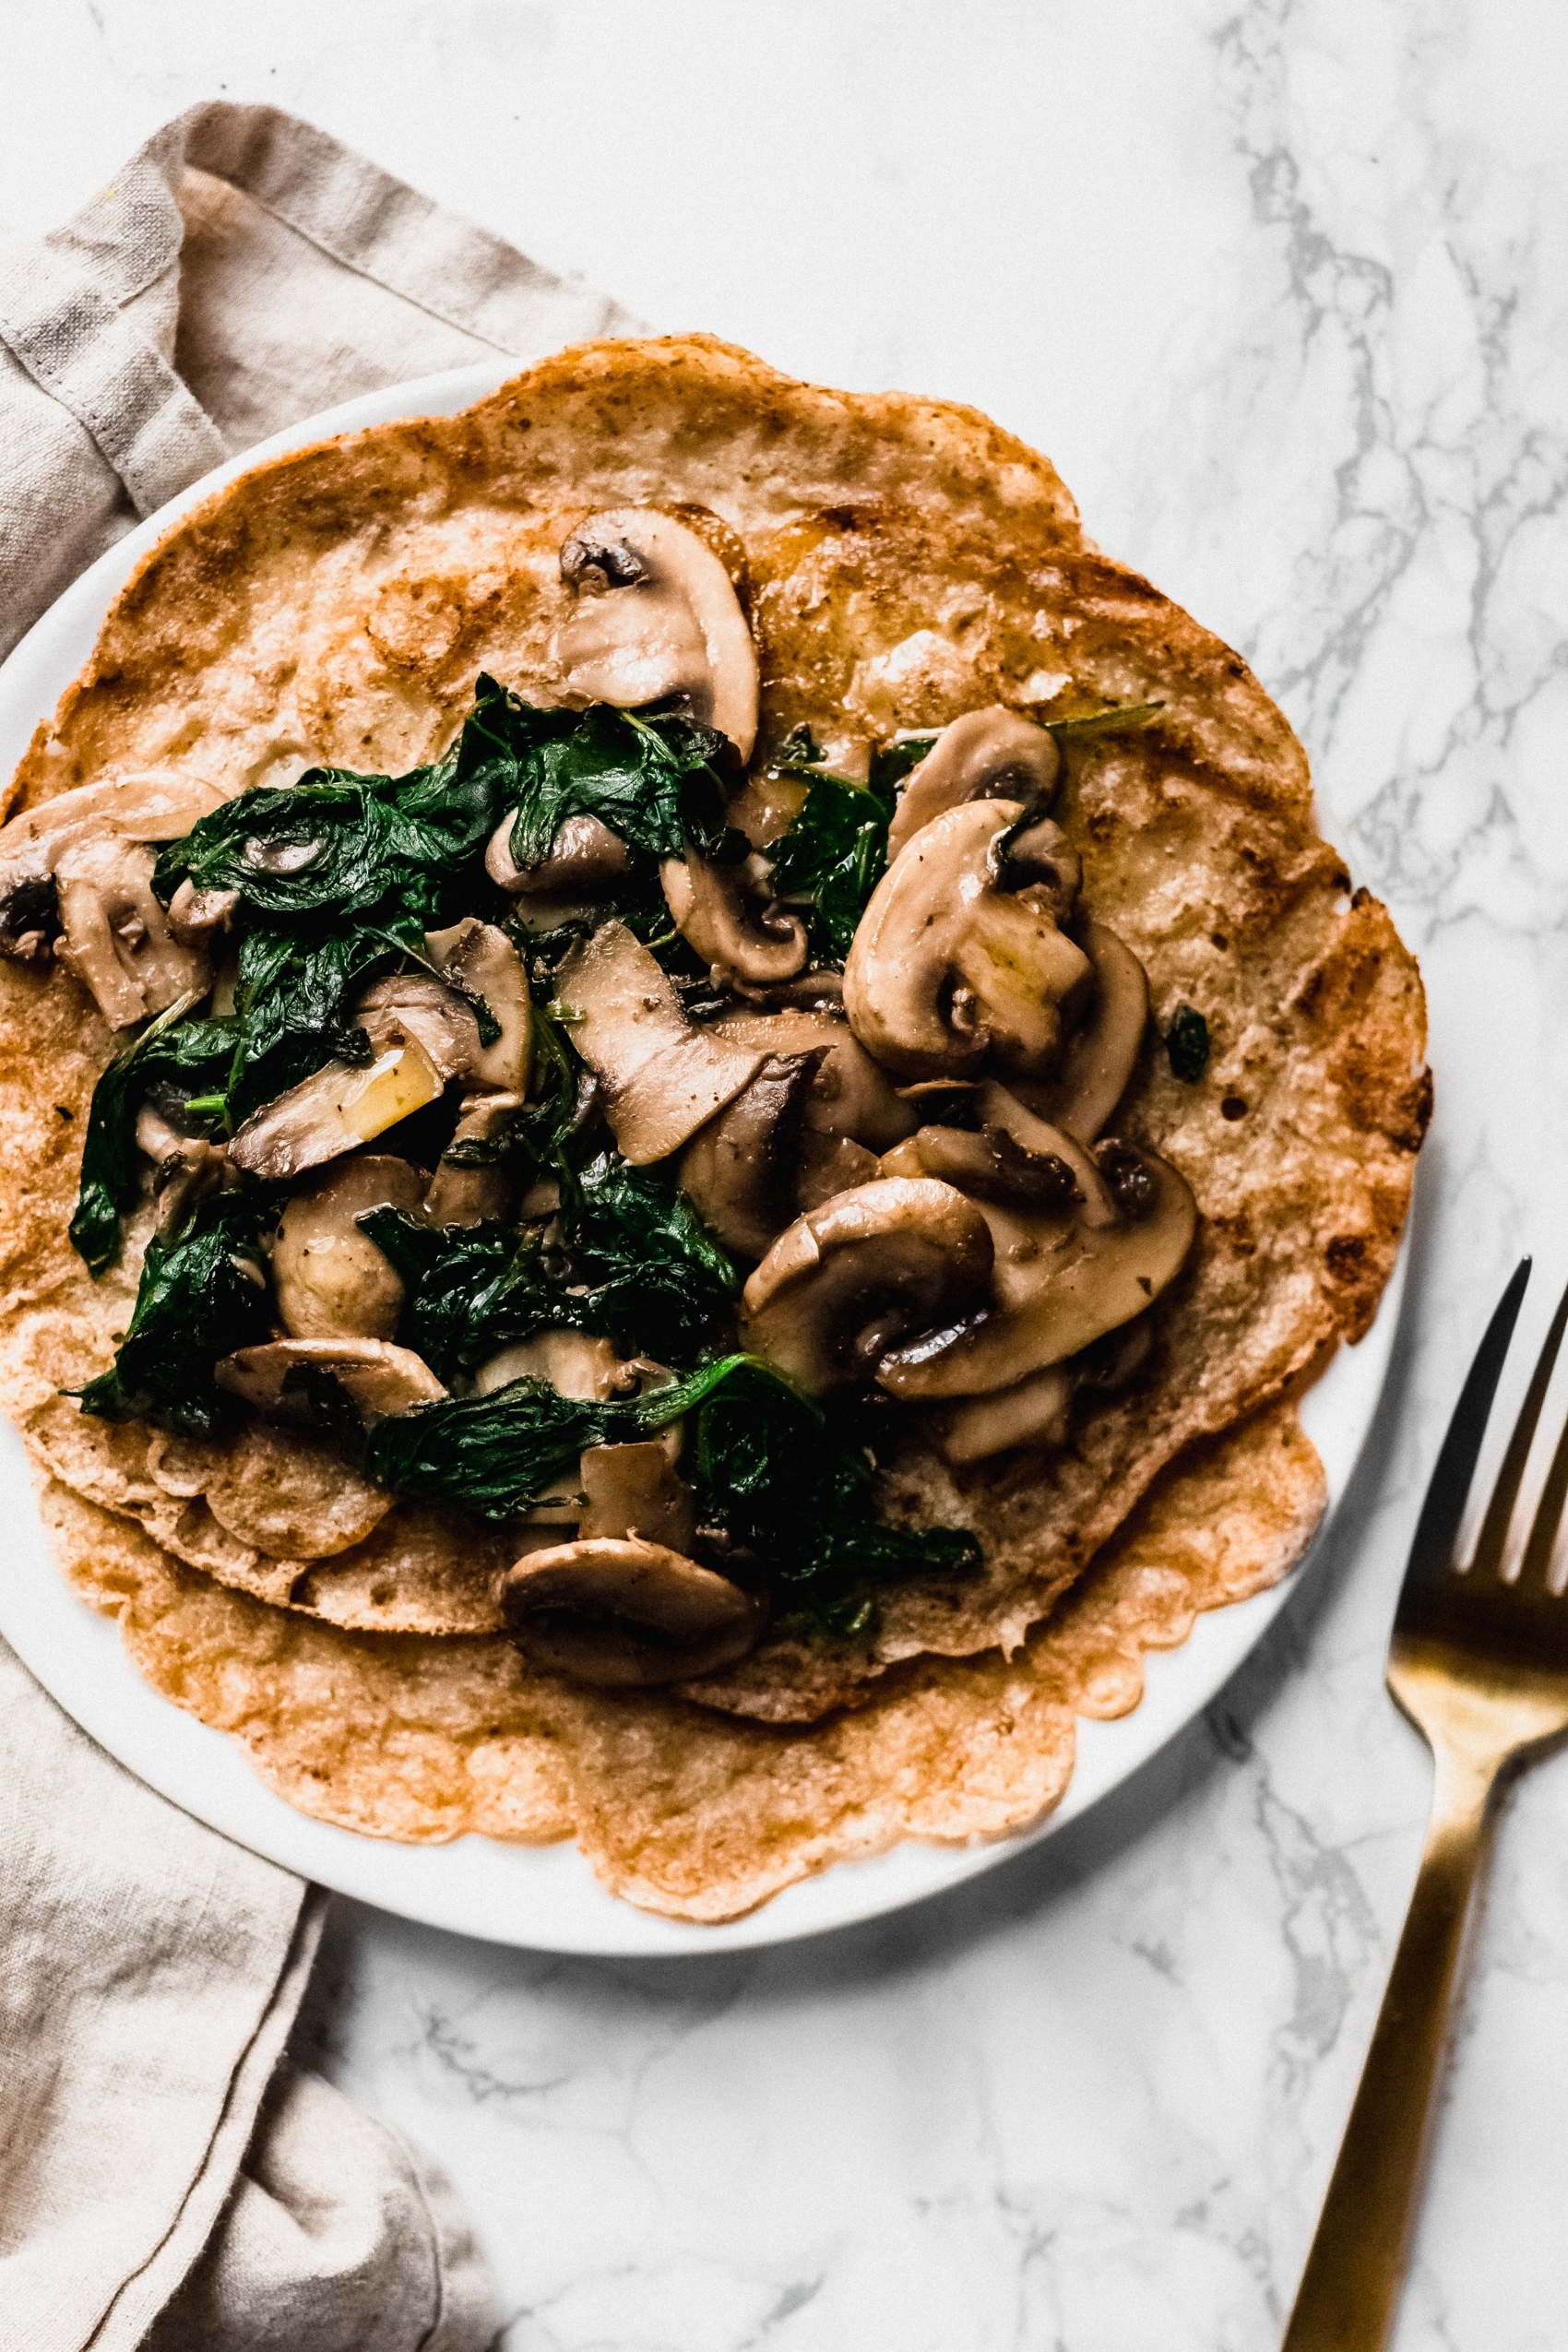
(167, 2179)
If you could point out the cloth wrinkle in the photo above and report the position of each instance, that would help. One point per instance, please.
(169, 2179)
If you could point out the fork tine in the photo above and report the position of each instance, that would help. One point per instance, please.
(1494, 1537)
(1437, 1529)
(1536, 1567)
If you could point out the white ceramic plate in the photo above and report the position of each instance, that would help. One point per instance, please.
(544, 1897)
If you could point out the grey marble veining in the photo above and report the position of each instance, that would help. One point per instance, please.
(1281, 287)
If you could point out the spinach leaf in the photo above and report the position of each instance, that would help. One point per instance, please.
(177, 1058)
(657, 779)
(1186, 1044)
(634, 1264)
(1101, 722)
(200, 1296)
(831, 859)
(794, 1483)
(495, 1454)
(469, 1290)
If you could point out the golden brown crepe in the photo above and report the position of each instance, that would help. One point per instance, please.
(905, 561)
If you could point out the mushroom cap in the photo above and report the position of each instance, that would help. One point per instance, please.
(479, 957)
(1102, 1052)
(625, 1614)
(1057, 1298)
(117, 936)
(738, 1168)
(946, 966)
(850, 1094)
(714, 910)
(585, 860)
(987, 754)
(379, 1379)
(655, 615)
(871, 1265)
(663, 1077)
(330, 1280)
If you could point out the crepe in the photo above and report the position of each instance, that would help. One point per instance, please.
(904, 562)
(677, 1810)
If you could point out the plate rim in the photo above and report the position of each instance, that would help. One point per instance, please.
(80, 1660)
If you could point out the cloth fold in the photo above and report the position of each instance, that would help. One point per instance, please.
(167, 2180)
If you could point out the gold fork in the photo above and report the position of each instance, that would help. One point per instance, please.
(1481, 1666)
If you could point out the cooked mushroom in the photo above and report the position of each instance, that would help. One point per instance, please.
(1058, 1288)
(585, 862)
(850, 1279)
(988, 754)
(336, 1110)
(636, 1490)
(1032, 1412)
(131, 808)
(989, 1165)
(827, 1165)
(739, 1169)
(723, 913)
(947, 966)
(663, 1077)
(378, 1379)
(479, 958)
(585, 1369)
(193, 913)
(655, 615)
(470, 1181)
(117, 939)
(1041, 867)
(416, 1005)
(849, 1096)
(185, 1169)
(626, 1614)
(1101, 1054)
(331, 1281)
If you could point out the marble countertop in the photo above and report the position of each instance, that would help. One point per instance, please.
(1279, 285)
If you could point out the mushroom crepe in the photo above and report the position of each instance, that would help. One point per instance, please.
(667, 1047)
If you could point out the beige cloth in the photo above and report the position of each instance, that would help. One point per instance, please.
(241, 272)
(164, 2179)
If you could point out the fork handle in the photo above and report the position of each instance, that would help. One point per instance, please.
(1349, 2289)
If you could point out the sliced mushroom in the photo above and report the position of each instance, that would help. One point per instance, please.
(626, 1614)
(636, 1490)
(1041, 867)
(1033, 1412)
(131, 808)
(988, 754)
(465, 1191)
(378, 1379)
(1102, 1052)
(827, 1165)
(740, 1169)
(585, 862)
(849, 1095)
(655, 615)
(578, 1366)
(416, 1005)
(336, 1110)
(479, 958)
(663, 1077)
(1058, 1290)
(186, 1169)
(991, 1165)
(117, 938)
(194, 914)
(720, 911)
(850, 1279)
(330, 1280)
(947, 966)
